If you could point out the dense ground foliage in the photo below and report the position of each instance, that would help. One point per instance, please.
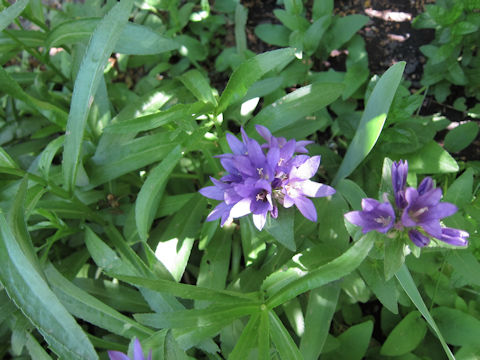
(166, 189)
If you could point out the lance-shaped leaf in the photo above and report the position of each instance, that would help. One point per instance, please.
(31, 294)
(334, 270)
(99, 49)
(10, 13)
(136, 39)
(152, 190)
(406, 281)
(250, 71)
(294, 106)
(88, 308)
(372, 121)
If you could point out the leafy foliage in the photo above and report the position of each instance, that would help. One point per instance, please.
(112, 118)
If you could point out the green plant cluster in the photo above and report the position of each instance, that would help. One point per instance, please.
(112, 115)
(453, 57)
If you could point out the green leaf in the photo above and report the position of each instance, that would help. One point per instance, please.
(394, 256)
(151, 192)
(17, 221)
(322, 303)
(9, 14)
(150, 121)
(458, 327)
(247, 339)
(461, 137)
(460, 192)
(99, 49)
(353, 342)
(132, 155)
(344, 28)
(282, 340)
(431, 159)
(249, 72)
(31, 294)
(198, 85)
(466, 266)
(6, 160)
(296, 105)
(405, 279)
(241, 15)
(335, 269)
(281, 228)
(372, 121)
(314, 34)
(49, 111)
(406, 336)
(372, 272)
(136, 39)
(214, 314)
(189, 291)
(35, 350)
(215, 262)
(322, 8)
(273, 34)
(48, 154)
(92, 310)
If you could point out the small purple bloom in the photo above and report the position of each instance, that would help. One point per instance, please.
(418, 238)
(419, 210)
(297, 188)
(426, 211)
(137, 353)
(399, 181)
(373, 216)
(261, 176)
(455, 237)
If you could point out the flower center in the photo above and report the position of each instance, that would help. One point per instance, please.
(261, 196)
(415, 214)
(383, 221)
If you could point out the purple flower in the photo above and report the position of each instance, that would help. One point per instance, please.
(259, 177)
(373, 216)
(256, 199)
(426, 211)
(297, 188)
(455, 237)
(399, 181)
(419, 210)
(137, 353)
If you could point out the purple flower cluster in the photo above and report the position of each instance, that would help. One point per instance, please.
(261, 176)
(419, 210)
(137, 353)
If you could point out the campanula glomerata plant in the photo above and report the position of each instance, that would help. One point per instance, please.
(166, 183)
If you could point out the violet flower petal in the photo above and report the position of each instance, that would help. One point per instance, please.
(374, 216)
(137, 350)
(212, 192)
(418, 238)
(425, 185)
(455, 237)
(314, 189)
(306, 207)
(241, 208)
(238, 147)
(117, 355)
(307, 169)
(259, 220)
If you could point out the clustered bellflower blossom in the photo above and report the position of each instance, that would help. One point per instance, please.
(260, 177)
(137, 353)
(418, 210)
